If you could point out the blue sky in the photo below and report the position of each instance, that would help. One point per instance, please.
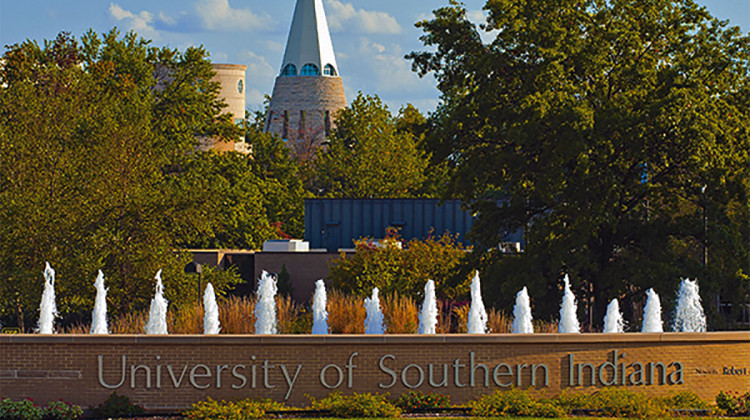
(370, 37)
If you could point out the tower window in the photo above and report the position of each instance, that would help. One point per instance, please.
(290, 70)
(310, 70)
(285, 132)
(328, 70)
(240, 86)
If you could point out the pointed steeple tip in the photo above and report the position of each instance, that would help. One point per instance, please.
(309, 50)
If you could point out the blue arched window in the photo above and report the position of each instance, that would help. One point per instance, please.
(310, 70)
(289, 70)
(328, 70)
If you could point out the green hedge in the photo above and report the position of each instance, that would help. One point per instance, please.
(237, 410)
(357, 405)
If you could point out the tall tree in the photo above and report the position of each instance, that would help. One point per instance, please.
(369, 156)
(96, 142)
(612, 127)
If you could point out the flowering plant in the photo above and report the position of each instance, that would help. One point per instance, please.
(734, 403)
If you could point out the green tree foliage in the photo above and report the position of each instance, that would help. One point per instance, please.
(611, 127)
(397, 267)
(283, 187)
(369, 155)
(97, 170)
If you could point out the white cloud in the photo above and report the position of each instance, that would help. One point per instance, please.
(260, 78)
(344, 17)
(258, 66)
(142, 22)
(219, 15)
(392, 71)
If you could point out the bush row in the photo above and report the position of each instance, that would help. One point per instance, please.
(519, 403)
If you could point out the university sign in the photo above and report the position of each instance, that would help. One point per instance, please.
(172, 372)
(257, 374)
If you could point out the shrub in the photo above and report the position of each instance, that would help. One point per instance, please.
(240, 410)
(418, 400)
(356, 405)
(117, 406)
(623, 403)
(19, 410)
(734, 405)
(686, 400)
(575, 401)
(61, 410)
(392, 269)
(514, 403)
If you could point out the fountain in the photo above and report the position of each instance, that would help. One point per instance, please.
(265, 308)
(522, 314)
(477, 315)
(211, 324)
(374, 320)
(568, 310)
(613, 321)
(320, 315)
(689, 316)
(47, 308)
(157, 315)
(99, 315)
(428, 318)
(652, 313)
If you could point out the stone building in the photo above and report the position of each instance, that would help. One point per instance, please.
(308, 91)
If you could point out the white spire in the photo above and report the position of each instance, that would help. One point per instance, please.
(309, 41)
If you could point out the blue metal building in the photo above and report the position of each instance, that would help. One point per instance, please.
(336, 223)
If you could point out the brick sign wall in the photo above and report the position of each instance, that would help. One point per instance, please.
(171, 372)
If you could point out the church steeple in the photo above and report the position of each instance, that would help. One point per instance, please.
(308, 91)
(309, 41)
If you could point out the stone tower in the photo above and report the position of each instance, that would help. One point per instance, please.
(308, 91)
(231, 78)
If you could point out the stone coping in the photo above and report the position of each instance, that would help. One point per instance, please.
(339, 339)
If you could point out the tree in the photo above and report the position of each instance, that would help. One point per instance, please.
(96, 142)
(611, 127)
(395, 266)
(368, 156)
(283, 188)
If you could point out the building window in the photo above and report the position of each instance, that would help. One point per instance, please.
(328, 123)
(289, 70)
(285, 131)
(302, 118)
(310, 70)
(328, 70)
(240, 86)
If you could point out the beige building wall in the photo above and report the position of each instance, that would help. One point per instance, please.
(233, 85)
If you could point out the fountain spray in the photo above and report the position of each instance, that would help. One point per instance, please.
(320, 315)
(568, 310)
(428, 318)
(689, 316)
(265, 308)
(477, 314)
(157, 315)
(99, 315)
(47, 308)
(211, 324)
(522, 314)
(374, 320)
